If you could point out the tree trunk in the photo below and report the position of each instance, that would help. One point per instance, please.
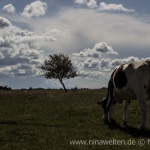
(63, 86)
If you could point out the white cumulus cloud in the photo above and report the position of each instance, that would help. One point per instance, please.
(89, 3)
(114, 7)
(9, 8)
(89, 62)
(117, 62)
(92, 4)
(21, 52)
(20, 49)
(96, 51)
(81, 1)
(88, 53)
(35, 9)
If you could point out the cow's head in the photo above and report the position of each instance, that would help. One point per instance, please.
(104, 104)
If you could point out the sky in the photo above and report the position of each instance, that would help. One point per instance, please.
(96, 35)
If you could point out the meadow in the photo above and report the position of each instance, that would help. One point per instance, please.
(54, 119)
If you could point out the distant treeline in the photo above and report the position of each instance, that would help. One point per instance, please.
(39, 88)
(5, 88)
(74, 89)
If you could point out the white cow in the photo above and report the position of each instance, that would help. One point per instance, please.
(128, 81)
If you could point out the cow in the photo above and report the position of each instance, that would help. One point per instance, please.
(128, 81)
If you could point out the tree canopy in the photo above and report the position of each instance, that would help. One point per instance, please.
(58, 66)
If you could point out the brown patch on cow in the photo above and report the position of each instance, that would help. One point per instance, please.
(120, 78)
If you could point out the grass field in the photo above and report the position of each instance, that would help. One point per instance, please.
(53, 119)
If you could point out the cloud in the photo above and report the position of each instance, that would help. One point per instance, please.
(104, 62)
(4, 22)
(91, 63)
(19, 70)
(56, 33)
(1, 56)
(21, 53)
(126, 36)
(9, 8)
(88, 53)
(114, 7)
(104, 48)
(81, 1)
(96, 51)
(126, 32)
(35, 9)
(20, 50)
(117, 62)
(89, 66)
(90, 3)
(95, 68)
(89, 74)
(103, 6)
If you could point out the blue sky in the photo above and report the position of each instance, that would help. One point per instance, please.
(97, 35)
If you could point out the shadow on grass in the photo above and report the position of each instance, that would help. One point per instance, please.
(134, 132)
(29, 124)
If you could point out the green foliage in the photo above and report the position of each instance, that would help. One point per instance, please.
(58, 66)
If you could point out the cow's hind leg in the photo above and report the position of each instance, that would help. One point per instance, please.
(143, 106)
(126, 106)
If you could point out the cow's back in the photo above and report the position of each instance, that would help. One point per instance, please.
(128, 78)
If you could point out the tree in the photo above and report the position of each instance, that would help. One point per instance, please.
(58, 66)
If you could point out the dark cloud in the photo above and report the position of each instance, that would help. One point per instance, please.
(104, 48)
(91, 63)
(4, 22)
(18, 70)
(104, 62)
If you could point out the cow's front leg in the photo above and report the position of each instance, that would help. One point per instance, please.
(143, 107)
(104, 103)
(109, 104)
(125, 109)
